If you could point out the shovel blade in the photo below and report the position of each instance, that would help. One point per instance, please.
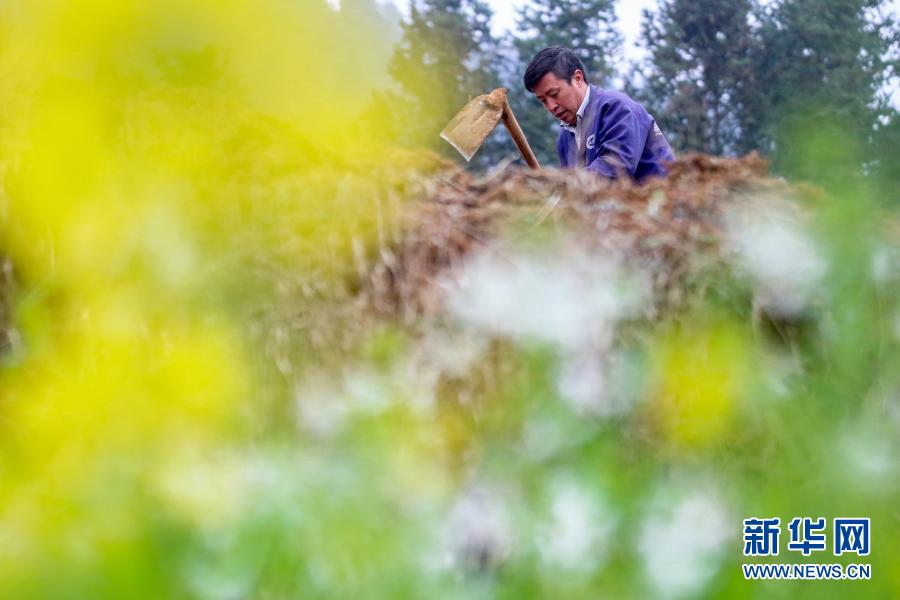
(471, 126)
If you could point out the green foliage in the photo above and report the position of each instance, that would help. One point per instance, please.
(819, 61)
(186, 229)
(731, 77)
(697, 69)
(446, 57)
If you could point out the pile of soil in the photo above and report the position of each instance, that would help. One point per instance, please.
(672, 226)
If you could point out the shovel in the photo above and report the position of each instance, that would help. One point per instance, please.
(471, 126)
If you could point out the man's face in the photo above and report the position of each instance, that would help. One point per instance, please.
(561, 98)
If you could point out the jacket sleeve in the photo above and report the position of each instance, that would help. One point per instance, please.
(620, 140)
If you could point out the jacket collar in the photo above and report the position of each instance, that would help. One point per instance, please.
(581, 110)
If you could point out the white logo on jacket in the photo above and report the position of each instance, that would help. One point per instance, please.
(590, 142)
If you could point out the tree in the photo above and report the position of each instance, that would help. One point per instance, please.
(588, 27)
(697, 66)
(886, 146)
(445, 57)
(818, 61)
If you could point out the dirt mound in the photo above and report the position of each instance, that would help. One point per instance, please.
(673, 226)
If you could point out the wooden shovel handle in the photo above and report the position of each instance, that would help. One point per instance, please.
(518, 136)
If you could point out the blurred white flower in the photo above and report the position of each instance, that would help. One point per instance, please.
(215, 582)
(885, 264)
(562, 296)
(367, 392)
(595, 384)
(576, 538)
(681, 545)
(892, 408)
(478, 533)
(321, 408)
(417, 382)
(218, 489)
(582, 385)
(207, 490)
(163, 237)
(440, 353)
(452, 352)
(544, 437)
(870, 456)
(323, 405)
(260, 484)
(779, 256)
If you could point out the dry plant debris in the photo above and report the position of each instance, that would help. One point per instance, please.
(671, 226)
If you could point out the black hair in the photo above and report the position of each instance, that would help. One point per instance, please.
(558, 60)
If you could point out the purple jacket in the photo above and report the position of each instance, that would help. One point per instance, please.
(620, 136)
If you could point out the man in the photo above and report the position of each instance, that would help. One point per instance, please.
(602, 131)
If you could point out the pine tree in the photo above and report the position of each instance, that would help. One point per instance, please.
(696, 69)
(445, 57)
(587, 27)
(819, 60)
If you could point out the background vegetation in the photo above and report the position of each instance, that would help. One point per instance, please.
(191, 407)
